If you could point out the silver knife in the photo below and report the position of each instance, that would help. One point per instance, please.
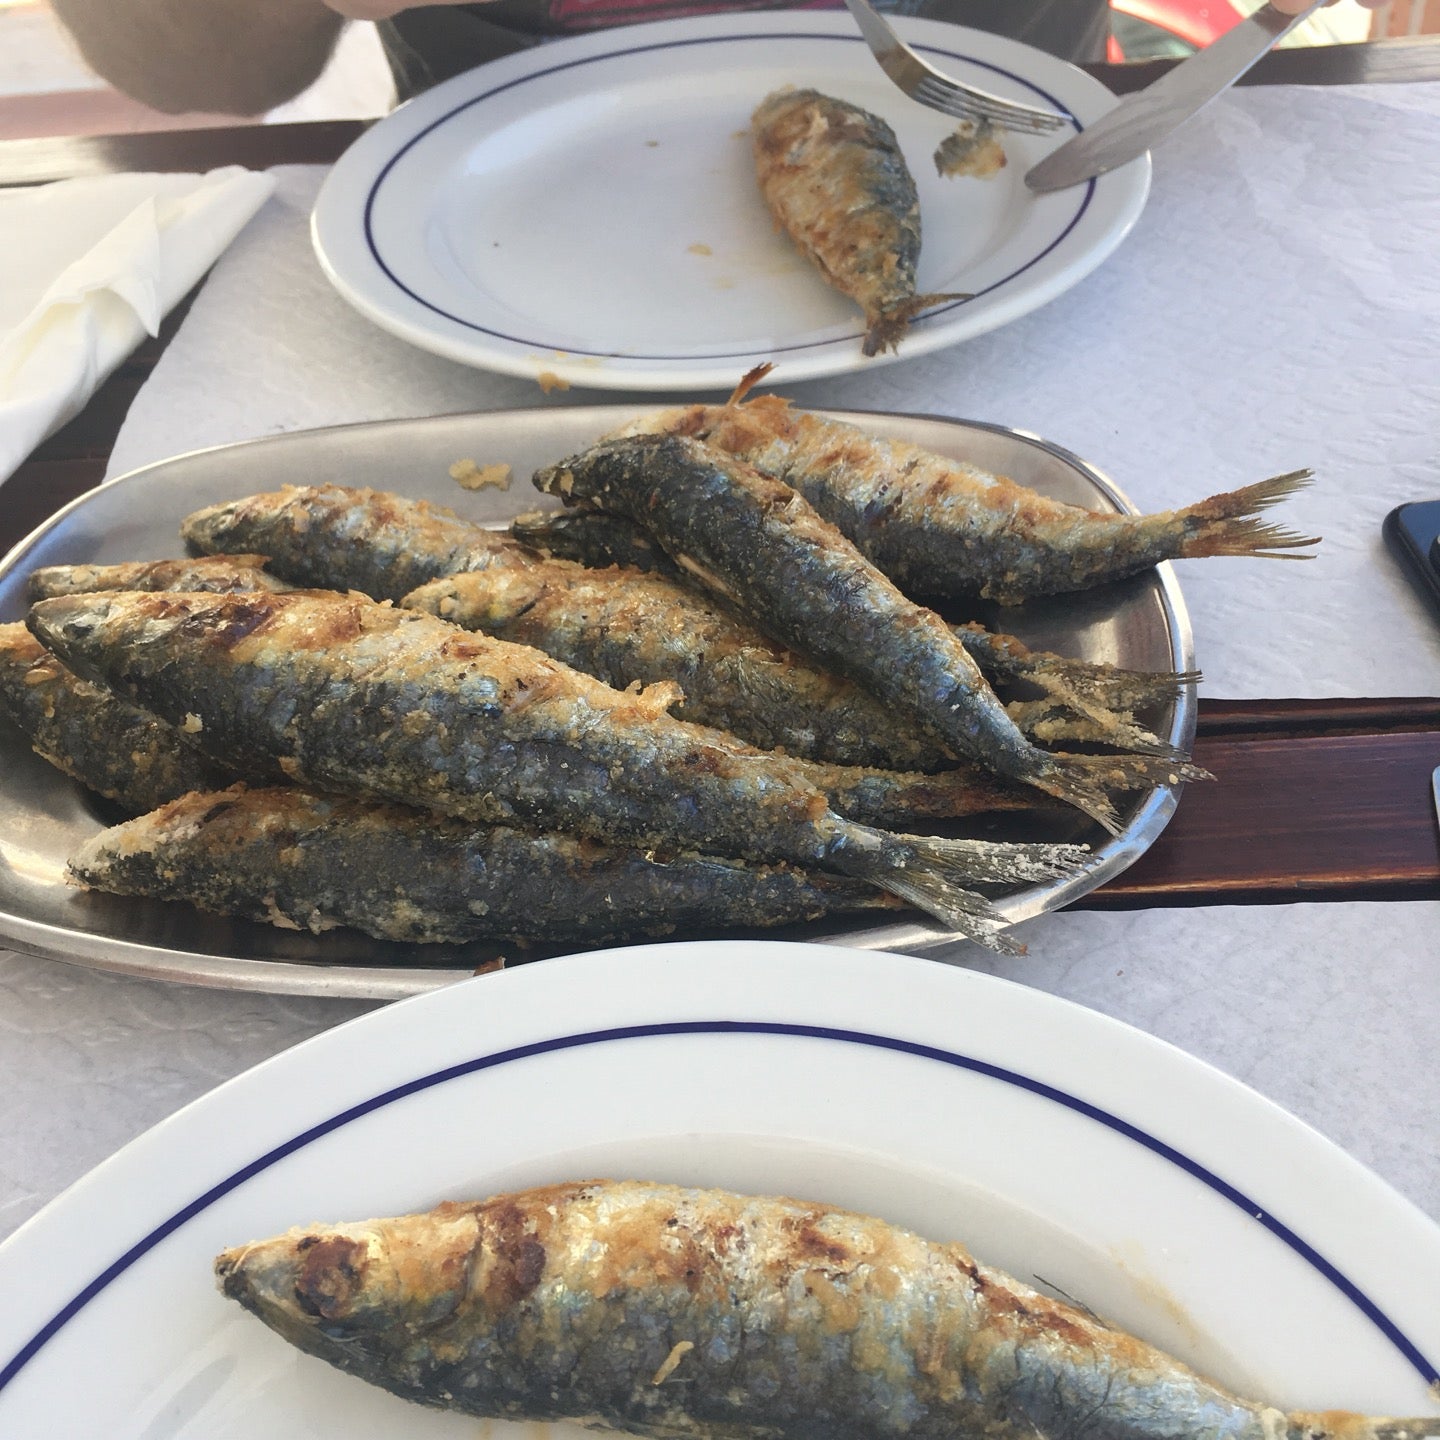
(1149, 115)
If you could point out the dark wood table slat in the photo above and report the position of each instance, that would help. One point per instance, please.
(1309, 818)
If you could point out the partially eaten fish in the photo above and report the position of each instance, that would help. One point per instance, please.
(837, 184)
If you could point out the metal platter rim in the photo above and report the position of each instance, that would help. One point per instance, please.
(118, 955)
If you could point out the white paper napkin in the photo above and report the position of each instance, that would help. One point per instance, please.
(91, 267)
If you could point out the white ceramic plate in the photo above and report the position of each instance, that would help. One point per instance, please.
(589, 208)
(1058, 1143)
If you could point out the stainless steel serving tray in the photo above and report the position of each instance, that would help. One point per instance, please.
(1140, 623)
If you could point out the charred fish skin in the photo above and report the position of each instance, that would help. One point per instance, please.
(95, 737)
(207, 572)
(357, 697)
(759, 545)
(336, 538)
(663, 1311)
(626, 627)
(314, 862)
(942, 527)
(838, 186)
(1086, 700)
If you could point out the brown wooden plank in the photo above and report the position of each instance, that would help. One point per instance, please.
(32, 162)
(1307, 818)
(38, 489)
(1329, 717)
(1373, 62)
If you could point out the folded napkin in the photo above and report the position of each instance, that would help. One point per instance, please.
(91, 266)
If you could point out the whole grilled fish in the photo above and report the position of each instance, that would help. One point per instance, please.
(627, 627)
(670, 1312)
(313, 862)
(109, 745)
(837, 184)
(324, 536)
(1083, 700)
(208, 572)
(943, 527)
(757, 543)
(357, 697)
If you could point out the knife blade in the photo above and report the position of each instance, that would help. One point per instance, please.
(1148, 116)
(1435, 791)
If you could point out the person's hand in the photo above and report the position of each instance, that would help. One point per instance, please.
(1294, 7)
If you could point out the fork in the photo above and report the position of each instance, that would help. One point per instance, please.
(922, 82)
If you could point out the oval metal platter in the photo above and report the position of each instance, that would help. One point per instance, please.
(44, 816)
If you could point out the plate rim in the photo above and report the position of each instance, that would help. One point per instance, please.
(933, 1007)
(117, 955)
(365, 282)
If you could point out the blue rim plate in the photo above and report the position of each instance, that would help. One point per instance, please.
(1056, 1142)
(587, 210)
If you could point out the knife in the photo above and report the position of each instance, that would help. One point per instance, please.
(1149, 115)
(1435, 791)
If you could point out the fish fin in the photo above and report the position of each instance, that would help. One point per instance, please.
(887, 327)
(1054, 722)
(937, 872)
(1229, 524)
(1086, 780)
(748, 381)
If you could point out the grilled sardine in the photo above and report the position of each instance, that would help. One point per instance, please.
(756, 543)
(1083, 700)
(942, 527)
(313, 862)
(107, 744)
(669, 1312)
(837, 184)
(352, 696)
(207, 572)
(318, 535)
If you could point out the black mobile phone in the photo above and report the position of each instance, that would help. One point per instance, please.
(1413, 534)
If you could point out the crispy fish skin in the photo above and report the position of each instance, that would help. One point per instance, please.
(757, 543)
(670, 1312)
(107, 744)
(207, 572)
(1083, 700)
(314, 862)
(942, 527)
(320, 536)
(356, 697)
(837, 184)
(624, 627)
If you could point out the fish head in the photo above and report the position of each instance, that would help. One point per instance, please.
(327, 1287)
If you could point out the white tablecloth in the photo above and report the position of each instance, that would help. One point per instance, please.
(1278, 305)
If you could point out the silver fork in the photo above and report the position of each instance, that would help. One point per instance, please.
(923, 82)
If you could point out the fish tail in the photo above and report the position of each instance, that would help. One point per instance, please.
(1050, 722)
(1229, 524)
(887, 326)
(1086, 781)
(935, 873)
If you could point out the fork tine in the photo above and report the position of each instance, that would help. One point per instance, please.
(925, 84)
(961, 105)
